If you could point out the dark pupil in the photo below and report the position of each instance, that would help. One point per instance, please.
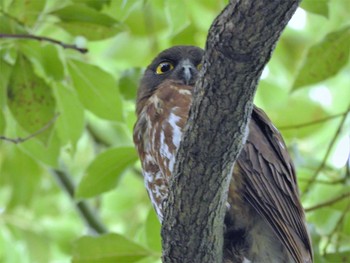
(165, 67)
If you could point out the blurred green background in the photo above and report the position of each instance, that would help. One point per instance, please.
(67, 117)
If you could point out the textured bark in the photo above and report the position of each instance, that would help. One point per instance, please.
(239, 45)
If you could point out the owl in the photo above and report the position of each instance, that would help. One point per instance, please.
(264, 221)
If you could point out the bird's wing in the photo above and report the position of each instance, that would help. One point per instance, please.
(271, 186)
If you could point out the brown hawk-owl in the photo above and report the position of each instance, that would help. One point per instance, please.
(264, 222)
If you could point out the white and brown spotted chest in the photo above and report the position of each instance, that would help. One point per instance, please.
(161, 124)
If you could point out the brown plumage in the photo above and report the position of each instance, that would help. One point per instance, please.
(264, 222)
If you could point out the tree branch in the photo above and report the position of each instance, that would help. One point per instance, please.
(306, 124)
(41, 130)
(86, 212)
(337, 225)
(239, 44)
(328, 202)
(333, 182)
(39, 38)
(328, 152)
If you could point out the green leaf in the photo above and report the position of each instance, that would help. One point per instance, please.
(306, 111)
(82, 20)
(263, 96)
(188, 33)
(338, 257)
(93, 3)
(153, 232)
(2, 123)
(15, 172)
(110, 133)
(319, 7)
(89, 30)
(177, 23)
(38, 246)
(325, 59)
(154, 18)
(51, 62)
(48, 154)
(27, 12)
(108, 248)
(97, 90)
(324, 225)
(103, 173)
(129, 82)
(82, 13)
(10, 26)
(10, 246)
(347, 225)
(30, 99)
(70, 123)
(4, 79)
(46, 58)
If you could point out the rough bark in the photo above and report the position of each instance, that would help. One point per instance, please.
(239, 45)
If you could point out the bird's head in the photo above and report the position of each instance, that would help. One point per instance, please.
(178, 63)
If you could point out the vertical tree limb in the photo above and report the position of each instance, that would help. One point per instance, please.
(239, 45)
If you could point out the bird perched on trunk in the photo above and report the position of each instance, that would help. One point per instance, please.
(264, 221)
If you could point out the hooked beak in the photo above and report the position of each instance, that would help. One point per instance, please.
(188, 72)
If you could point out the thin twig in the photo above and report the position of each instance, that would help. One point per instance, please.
(337, 226)
(12, 18)
(302, 125)
(86, 212)
(41, 130)
(328, 202)
(347, 168)
(40, 38)
(333, 182)
(100, 140)
(323, 163)
(334, 175)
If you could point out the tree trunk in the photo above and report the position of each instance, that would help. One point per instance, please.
(239, 44)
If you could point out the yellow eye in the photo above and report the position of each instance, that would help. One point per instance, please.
(164, 67)
(199, 66)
